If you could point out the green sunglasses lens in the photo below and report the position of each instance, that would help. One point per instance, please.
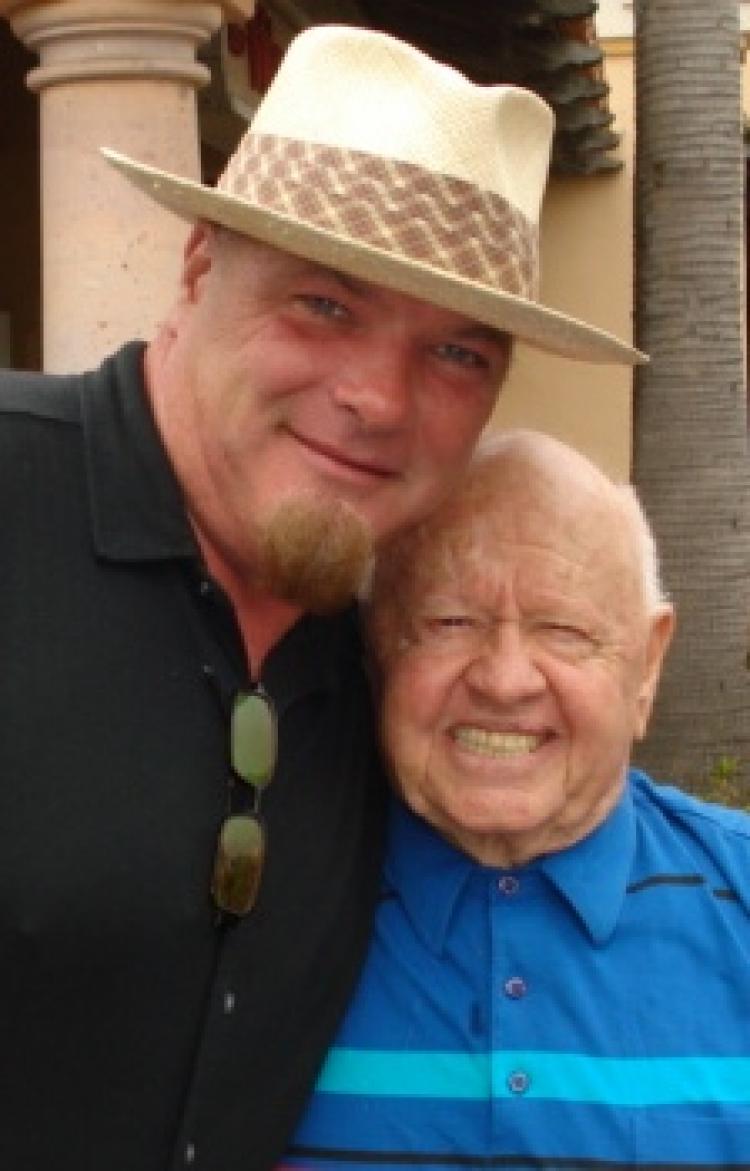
(253, 738)
(241, 848)
(239, 864)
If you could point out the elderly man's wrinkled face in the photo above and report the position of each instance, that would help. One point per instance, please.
(526, 668)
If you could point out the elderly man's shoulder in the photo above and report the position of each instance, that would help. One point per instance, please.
(676, 803)
(697, 840)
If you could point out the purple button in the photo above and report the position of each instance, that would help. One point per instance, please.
(508, 884)
(518, 1082)
(515, 987)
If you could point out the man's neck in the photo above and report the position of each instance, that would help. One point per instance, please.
(263, 619)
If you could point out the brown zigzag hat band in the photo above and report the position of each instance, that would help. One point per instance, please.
(386, 204)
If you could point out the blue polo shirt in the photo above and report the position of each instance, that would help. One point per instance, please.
(588, 1011)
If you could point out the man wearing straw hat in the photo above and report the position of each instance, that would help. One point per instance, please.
(191, 809)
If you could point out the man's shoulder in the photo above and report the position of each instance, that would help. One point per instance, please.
(681, 834)
(680, 806)
(28, 395)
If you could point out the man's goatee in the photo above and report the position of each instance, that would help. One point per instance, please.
(315, 553)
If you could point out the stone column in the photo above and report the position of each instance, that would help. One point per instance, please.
(118, 73)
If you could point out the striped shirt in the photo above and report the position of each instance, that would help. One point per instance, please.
(588, 1011)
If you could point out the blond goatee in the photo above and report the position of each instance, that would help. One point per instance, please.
(314, 553)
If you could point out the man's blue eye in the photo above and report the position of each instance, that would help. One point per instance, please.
(462, 356)
(323, 306)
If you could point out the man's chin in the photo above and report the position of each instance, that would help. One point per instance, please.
(314, 552)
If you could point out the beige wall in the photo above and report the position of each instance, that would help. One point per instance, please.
(587, 270)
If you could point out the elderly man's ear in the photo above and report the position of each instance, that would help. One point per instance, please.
(659, 638)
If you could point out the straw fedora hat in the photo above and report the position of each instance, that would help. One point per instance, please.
(369, 157)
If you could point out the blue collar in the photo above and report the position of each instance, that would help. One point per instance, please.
(428, 874)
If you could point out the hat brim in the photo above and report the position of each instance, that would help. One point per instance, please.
(532, 323)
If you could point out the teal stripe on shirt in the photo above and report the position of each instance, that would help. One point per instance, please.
(567, 1077)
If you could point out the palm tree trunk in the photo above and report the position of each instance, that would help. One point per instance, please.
(691, 446)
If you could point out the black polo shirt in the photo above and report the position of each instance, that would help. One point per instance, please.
(137, 1033)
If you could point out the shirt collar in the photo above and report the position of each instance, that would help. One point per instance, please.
(429, 874)
(593, 874)
(426, 872)
(136, 503)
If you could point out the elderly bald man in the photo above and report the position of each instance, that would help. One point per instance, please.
(560, 971)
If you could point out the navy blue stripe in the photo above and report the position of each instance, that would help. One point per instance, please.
(520, 1162)
(665, 880)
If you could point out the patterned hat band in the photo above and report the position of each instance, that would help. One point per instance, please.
(397, 207)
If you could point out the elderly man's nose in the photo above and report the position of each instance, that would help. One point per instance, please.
(378, 392)
(505, 668)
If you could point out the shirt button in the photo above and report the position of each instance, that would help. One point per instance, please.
(229, 1002)
(518, 1082)
(508, 884)
(189, 1153)
(204, 587)
(515, 987)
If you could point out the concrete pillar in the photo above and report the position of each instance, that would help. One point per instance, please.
(118, 73)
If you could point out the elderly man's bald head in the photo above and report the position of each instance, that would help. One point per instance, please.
(519, 633)
(561, 479)
(518, 478)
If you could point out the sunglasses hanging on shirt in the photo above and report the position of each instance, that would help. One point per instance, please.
(241, 847)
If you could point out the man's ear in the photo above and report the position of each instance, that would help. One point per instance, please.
(197, 258)
(659, 637)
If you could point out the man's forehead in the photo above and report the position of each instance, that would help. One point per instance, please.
(481, 553)
(539, 530)
(549, 492)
